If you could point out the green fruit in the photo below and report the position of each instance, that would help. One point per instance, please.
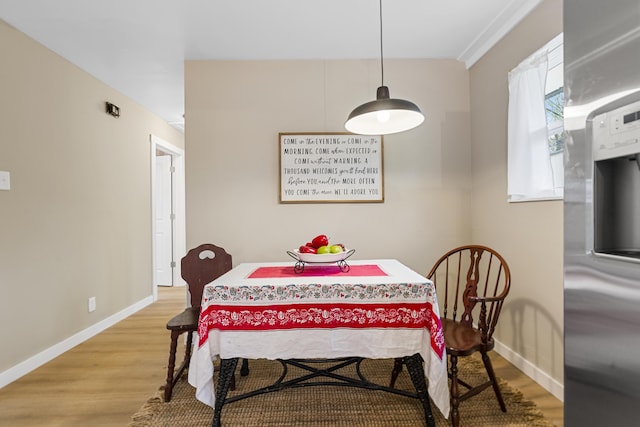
(324, 250)
(335, 249)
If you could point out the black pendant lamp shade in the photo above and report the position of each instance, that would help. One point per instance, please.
(384, 115)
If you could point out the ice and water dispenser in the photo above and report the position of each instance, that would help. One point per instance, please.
(616, 181)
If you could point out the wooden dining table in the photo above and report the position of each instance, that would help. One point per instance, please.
(372, 309)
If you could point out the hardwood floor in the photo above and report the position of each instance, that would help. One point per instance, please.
(101, 382)
(106, 379)
(551, 407)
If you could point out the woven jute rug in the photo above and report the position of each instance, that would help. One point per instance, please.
(333, 406)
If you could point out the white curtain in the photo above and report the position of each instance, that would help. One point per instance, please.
(529, 162)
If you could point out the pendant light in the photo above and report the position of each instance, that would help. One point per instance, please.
(385, 115)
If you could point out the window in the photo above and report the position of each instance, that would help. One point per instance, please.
(536, 126)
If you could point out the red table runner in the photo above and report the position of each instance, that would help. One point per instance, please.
(316, 270)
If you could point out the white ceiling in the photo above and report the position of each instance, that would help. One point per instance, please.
(139, 46)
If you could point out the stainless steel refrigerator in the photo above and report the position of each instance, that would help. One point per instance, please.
(602, 212)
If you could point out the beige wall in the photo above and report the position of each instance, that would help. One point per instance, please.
(234, 112)
(529, 235)
(76, 222)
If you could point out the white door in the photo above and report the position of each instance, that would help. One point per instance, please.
(163, 227)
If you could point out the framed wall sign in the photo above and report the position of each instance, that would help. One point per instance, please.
(331, 168)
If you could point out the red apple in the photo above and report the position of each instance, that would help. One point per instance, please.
(307, 250)
(320, 240)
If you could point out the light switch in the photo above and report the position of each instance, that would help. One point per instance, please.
(5, 180)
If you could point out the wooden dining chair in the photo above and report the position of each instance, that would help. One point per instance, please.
(473, 282)
(200, 266)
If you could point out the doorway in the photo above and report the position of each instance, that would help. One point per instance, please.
(167, 213)
(163, 232)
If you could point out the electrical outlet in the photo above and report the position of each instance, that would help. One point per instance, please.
(92, 304)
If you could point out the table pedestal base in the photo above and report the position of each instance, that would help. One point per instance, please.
(414, 367)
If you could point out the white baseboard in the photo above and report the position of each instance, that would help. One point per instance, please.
(56, 350)
(548, 383)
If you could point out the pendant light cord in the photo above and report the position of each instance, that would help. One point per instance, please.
(384, 115)
(381, 54)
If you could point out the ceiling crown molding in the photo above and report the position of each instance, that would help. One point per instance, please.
(497, 29)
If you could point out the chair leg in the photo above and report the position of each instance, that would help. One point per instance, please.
(244, 369)
(455, 392)
(187, 350)
(168, 388)
(397, 368)
(492, 376)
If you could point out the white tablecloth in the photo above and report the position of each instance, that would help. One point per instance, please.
(320, 316)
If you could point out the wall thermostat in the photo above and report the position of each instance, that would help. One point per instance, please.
(113, 109)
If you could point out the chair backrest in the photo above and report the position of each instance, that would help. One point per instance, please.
(472, 280)
(202, 265)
